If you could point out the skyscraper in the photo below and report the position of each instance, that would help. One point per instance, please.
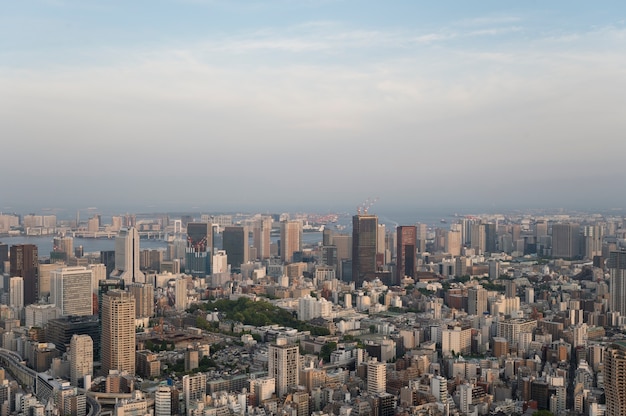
(566, 240)
(617, 281)
(614, 379)
(261, 234)
(24, 262)
(118, 332)
(235, 243)
(16, 292)
(144, 299)
(364, 229)
(405, 259)
(127, 256)
(476, 301)
(290, 239)
(71, 291)
(199, 248)
(283, 365)
(81, 358)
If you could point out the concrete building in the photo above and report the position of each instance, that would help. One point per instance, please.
(364, 229)
(615, 379)
(118, 332)
(284, 365)
(290, 239)
(376, 377)
(71, 291)
(24, 262)
(127, 262)
(81, 359)
(617, 281)
(406, 256)
(235, 243)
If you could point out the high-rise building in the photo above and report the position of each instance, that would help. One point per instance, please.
(71, 291)
(163, 401)
(16, 292)
(566, 240)
(81, 359)
(127, 256)
(364, 229)
(235, 243)
(290, 239)
(453, 243)
(617, 281)
(592, 235)
(405, 259)
(376, 377)
(283, 365)
(421, 234)
(199, 248)
(194, 388)
(476, 300)
(261, 235)
(144, 299)
(478, 238)
(62, 249)
(615, 378)
(118, 332)
(4, 256)
(24, 262)
(180, 293)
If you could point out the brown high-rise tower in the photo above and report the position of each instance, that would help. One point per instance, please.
(24, 262)
(405, 259)
(364, 233)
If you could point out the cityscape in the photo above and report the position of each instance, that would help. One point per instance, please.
(312, 207)
(313, 314)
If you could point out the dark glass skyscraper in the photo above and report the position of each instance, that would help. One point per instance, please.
(24, 262)
(364, 229)
(405, 259)
(235, 243)
(199, 248)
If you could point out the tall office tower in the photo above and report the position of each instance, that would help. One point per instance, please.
(4, 256)
(476, 300)
(565, 240)
(62, 248)
(491, 237)
(180, 293)
(453, 243)
(16, 292)
(235, 243)
(290, 239)
(144, 299)
(261, 235)
(380, 238)
(118, 332)
(329, 256)
(24, 262)
(510, 289)
(99, 272)
(284, 365)
(199, 249)
(364, 228)
(617, 281)
(614, 376)
(71, 291)
(194, 388)
(541, 229)
(592, 235)
(421, 234)
(327, 237)
(479, 238)
(81, 359)
(127, 256)
(405, 258)
(376, 377)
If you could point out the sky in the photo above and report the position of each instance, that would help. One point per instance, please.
(312, 105)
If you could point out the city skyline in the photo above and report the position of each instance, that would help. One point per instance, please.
(425, 105)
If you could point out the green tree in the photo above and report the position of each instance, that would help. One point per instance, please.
(327, 349)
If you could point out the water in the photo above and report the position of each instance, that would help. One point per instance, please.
(90, 245)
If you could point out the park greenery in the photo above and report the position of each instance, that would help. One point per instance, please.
(257, 313)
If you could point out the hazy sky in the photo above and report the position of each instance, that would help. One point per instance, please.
(312, 104)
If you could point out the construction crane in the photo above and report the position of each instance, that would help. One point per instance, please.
(365, 206)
